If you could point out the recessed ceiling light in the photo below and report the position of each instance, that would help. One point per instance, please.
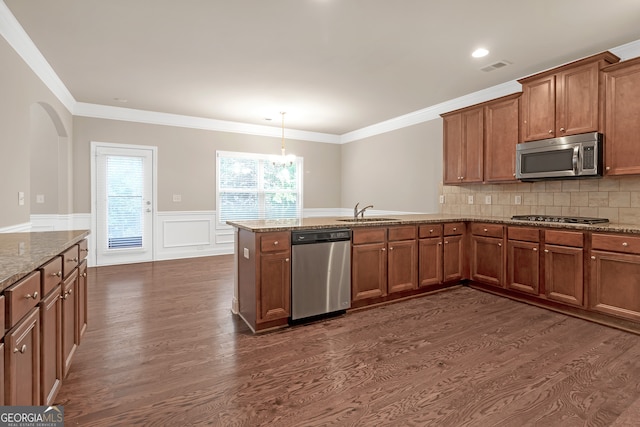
(480, 52)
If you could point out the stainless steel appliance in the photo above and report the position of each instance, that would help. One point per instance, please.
(563, 219)
(560, 158)
(320, 272)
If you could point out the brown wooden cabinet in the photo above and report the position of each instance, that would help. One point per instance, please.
(463, 145)
(487, 254)
(615, 275)
(69, 296)
(22, 362)
(402, 258)
(368, 263)
(50, 345)
(567, 100)
(454, 252)
(82, 300)
(523, 259)
(500, 139)
(430, 255)
(622, 126)
(563, 263)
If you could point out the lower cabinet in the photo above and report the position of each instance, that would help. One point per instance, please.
(615, 276)
(368, 263)
(453, 252)
(487, 254)
(402, 268)
(50, 346)
(430, 255)
(69, 296)
(523, 260)
(563, 264)
(275, 286)
(22, 362)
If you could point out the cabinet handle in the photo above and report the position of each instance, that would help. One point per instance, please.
(286, 260)
(21, 349)
(608, 168)
(440, 243)
(485, 230)
(73, 260)
(84, 274)
(446, 242)
(535, 249)
(499, 244)
(58, 274)
(546, 251)
(625, 244)
(462, 177)
(593, 257)
(455, 228)
(275, 243)
(391, 248)
(84, 250)
(550, 131)
(514, 175)
(34, 296)
(431, 231)
(561, 129)
(384, 249)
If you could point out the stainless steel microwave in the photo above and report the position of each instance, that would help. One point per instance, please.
(566, 157)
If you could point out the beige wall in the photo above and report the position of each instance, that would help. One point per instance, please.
(20, 89)
(186, 162)
(395, 171)
(615, 198)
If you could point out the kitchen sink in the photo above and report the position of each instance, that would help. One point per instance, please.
(367, 219)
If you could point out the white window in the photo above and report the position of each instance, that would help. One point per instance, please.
(257, 186)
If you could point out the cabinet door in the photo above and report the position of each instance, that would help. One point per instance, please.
(368, 271)
(523, 266)
(452, 148)
(453, 258)
(621, 122)
(486, 260)
(563, 274)
(82, 300)
(473, 143)
(539, 109)
(22, 358)
(69, 324)
(430, 262)
(274, 299)
(501, 139)
(4, 380)
(615, 284)
(577, 100)
(50, 346)
(403, 265)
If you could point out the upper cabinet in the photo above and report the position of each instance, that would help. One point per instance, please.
(567, 100)
(480, 142)
(622, 126)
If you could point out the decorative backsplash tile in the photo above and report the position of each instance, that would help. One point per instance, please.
(617, 199)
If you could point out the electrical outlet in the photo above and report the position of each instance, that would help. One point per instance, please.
(246, 253)
(177, 198)
(39, 198)
(517, 200)
(441, 198)
(21, 198)
(470, 200)
(487, 200)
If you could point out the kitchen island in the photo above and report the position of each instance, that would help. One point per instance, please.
(590, 271)
(43, 307)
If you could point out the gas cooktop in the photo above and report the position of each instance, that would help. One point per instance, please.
(563, 219)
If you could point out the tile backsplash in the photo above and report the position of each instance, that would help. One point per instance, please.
(615, 198)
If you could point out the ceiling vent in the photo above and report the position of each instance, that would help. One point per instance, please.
(495, 66)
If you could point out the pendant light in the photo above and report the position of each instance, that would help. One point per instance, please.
(284, 159)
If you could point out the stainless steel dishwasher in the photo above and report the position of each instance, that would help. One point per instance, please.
(320, 272)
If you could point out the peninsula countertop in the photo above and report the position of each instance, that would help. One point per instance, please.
(21, 253)
(311, 223)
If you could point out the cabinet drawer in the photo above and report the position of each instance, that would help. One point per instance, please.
(616, 243)
(402, 233)
(454, 228)
(369, 235)
(274, 242)
(524, 234)
(489, 230)
(51, 275)
(430, 230)
(83, 248)
(70, 259)
(564, 238)
(22, 297)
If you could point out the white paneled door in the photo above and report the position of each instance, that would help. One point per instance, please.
(124, 205)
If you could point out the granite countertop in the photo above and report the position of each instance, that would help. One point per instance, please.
(335, 222)
(21, 253)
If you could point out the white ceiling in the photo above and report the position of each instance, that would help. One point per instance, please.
(334, 66)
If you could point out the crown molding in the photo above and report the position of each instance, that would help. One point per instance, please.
(18, 39)
(627, 51)
(168, 119)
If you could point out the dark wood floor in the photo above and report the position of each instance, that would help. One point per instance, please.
(163, 349)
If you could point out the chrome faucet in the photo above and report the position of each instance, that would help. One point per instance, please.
(360, 212)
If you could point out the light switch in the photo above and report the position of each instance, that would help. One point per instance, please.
(177, 198)
(441, 198)
(470, 200)
(39, 198)
(517, 200)
(21, 198)
(487, 200)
